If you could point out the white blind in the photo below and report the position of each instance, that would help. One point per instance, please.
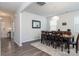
(52, 25)
(76, 23)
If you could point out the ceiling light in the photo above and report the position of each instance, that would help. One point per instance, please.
(3, 14)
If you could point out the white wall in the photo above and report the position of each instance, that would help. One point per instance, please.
(69, 18)
(17, 29)
(48, 23)
(27, 32)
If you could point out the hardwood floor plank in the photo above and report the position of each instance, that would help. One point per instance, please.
(9, 48)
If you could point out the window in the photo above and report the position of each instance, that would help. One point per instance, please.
(53, 23)
(76, 24)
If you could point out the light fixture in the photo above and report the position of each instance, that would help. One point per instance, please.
(55, 17)
(4, 13)
(9, 28)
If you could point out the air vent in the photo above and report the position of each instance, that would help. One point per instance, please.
(41, 3)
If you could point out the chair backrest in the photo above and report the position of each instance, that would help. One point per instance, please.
(58, 29)
(77, 43)
(68, 30)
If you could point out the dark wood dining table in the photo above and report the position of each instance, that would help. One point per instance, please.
(64, 35)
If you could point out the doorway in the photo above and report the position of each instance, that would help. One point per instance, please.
(5, 27)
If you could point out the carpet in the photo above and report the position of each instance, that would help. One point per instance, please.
(54, 52)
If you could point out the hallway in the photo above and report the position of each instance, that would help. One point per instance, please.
(9, 48)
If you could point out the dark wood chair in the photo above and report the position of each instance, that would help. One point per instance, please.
(69, 30)
(43, 37)
(53, 38)
(65, 40)
(58, 29)
(75, 43)
(57, 39)
(49, 38)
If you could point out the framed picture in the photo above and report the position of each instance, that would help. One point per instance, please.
(64, 23)
(36, 24)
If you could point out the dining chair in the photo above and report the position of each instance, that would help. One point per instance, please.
(52, 39)
(57, 40)
(75, 43)
(43, 37)
(58, 29)
(68, 30)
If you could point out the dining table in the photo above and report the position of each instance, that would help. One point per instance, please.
(61, 35)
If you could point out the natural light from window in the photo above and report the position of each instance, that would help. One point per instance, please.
(53, 23)
(76, 23)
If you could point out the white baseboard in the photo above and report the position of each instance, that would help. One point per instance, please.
(19, 44)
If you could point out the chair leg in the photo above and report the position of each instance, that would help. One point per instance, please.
(73, 41)
(68, 48)
(41, 40)
(73, 45)
(62, 47)
(76, 48)
(48, 43)
(65, 45)
(45, 41)
(53, 44)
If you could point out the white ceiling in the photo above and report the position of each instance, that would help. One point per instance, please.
(53, 8)
(9, 7)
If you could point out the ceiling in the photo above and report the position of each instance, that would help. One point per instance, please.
(7, 8)
(53, 8)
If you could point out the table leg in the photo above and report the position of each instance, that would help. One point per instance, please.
(68, 47)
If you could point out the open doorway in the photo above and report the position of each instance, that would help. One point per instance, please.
(5, 31)
(5, 28)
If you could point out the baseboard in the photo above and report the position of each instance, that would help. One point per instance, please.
(30, 42)
(4, 38)
(18, 44)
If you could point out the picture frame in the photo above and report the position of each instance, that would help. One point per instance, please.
(64, 23)
(36, 24)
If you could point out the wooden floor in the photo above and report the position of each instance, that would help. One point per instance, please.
(9, 48)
